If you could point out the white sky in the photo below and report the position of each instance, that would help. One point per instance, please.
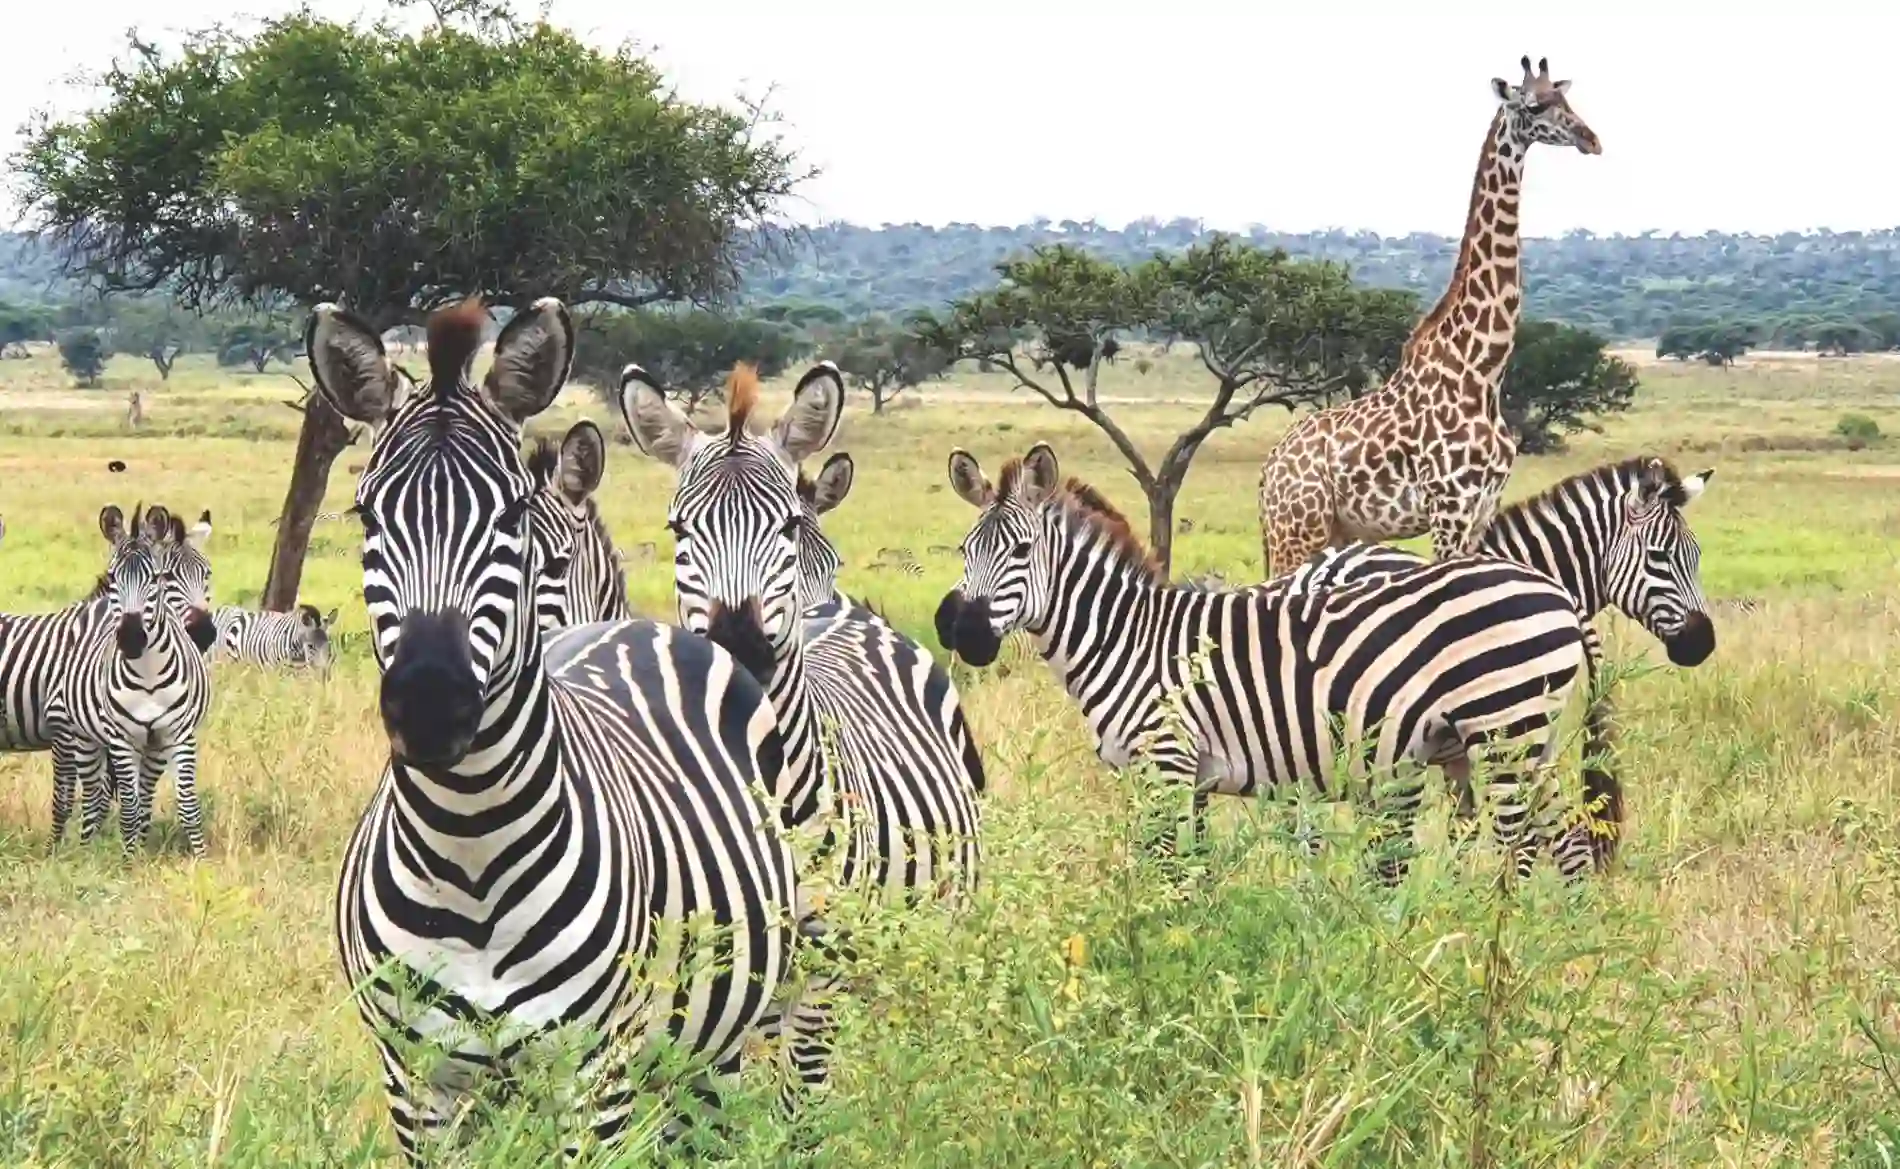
(1346, 113)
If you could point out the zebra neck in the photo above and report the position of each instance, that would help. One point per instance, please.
(804, 781)
(1098, 607)
(1569, 547)
(166, 646)
(460, 821)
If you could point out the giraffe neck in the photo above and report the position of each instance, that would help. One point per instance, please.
(1475, 322)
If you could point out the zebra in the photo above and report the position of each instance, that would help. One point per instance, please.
(1456, 662)
(128, 709)
(298, 638)
(871, 721)
(592, 586)
(1611, 535)
(554, 809)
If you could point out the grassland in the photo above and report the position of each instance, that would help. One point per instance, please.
(1729, 996)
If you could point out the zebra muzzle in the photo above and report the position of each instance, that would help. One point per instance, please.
(947, 619)
(131, 636)
(1693, 643)
(739, 631)
(201, 630)
(974, 640)
(431, 700)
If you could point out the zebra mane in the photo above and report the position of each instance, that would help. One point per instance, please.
(742, 397)
(544, 458)
(455, 333)
(1091, 509)
(1607, 476)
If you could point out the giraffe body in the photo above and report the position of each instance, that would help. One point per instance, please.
(1429, 451)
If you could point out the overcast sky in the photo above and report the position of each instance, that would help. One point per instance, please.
(1298, 116)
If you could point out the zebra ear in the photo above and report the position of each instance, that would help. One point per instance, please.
(1040, 471)
(349, 364)
(158, 523)
(968, 481)
(329, 618)
(811, 421)
(1694, 485)
(657, 426)
(833, 483)
(112, 523)
(583, 462)
(534, 353)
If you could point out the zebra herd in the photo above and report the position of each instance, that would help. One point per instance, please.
(579, 804)
(115, 684)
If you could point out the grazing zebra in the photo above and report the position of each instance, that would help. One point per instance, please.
(871, 721)
(128, 708)
(1456, 661)
(1612, 535)
(592, 585)
(555, 810)
(898, 560)
(300, 638)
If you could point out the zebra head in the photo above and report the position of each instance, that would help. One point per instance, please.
(184, 572)
(581, 580)
(132, 586)
(818, 559)
(736, 516)
(1652, 567)
(448, 563)
(313, 647)
(1005, 583)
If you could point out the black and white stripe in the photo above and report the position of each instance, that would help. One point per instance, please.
(1456, 662)
(129, 709)
(298, 639)
(873, 725)
(1612, 536)
(554, 811)
(578, 554)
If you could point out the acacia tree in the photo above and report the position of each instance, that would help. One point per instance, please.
(690, 353)
(884, 360)
(1270, 330)
(1557, 381)
(395, 172)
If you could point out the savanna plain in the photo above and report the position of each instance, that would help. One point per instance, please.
(1729, 994)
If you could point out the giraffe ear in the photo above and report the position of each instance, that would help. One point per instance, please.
(1502, 88)
(967, 480)
(1562, 87)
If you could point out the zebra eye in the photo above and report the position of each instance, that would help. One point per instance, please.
(789, 529)
(677, 528)
(1021, 549)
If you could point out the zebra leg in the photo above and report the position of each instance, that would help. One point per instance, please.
(1527, 813)
(1390, 843)
(65, 778)
(151, 765)
(95, 783)
(184, 757)
(124, 772)
(418, 1111)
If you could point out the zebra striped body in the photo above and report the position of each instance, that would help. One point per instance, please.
(1453, 662)
(297, 639)
(873, 726)
(129, 708)
(1613, 535)
(554, 810)
(38, 652)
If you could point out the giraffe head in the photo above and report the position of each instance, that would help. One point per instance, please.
(1538, 110)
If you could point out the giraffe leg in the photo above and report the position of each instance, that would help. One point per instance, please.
(1296, 518)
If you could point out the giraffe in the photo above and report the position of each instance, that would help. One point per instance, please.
(1429, 451)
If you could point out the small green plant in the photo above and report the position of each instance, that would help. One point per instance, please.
(1858, 430)
(83, 353)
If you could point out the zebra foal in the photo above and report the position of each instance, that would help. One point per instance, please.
(1458, 662)
(554, 810)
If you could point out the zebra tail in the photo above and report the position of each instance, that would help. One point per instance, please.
(1602, 790)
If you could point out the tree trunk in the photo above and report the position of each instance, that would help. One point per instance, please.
(324, 436)
(1161, 523)
(877, 401)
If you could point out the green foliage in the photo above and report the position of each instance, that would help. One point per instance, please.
(21, 323)
(690, 352)
(257, 343)
(1559, 379)
(1858, 428)
(1718, 343)
(83, 353)
(316, 160)
(1270, 330)
(884, 360)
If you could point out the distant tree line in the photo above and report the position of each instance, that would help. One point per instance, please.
(1720, 342)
